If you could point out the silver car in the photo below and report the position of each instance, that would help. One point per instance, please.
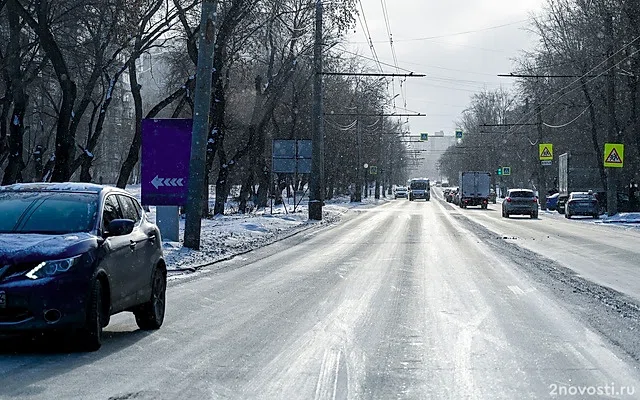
(582, 203)
(520, 202)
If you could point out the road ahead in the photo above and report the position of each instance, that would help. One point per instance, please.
(407, 300)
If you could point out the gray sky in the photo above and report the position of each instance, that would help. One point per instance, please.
(457, 65)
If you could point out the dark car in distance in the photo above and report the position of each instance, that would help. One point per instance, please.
(552, 202)
(72, 255)
(582, 203)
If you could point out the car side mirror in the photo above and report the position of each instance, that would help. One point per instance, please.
(119, 227)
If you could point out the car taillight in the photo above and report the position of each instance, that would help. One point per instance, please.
(508, 199)
(535, 199)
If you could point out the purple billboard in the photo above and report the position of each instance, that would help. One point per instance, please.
(166, 150)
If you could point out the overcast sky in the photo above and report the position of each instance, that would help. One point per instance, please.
(457, 65)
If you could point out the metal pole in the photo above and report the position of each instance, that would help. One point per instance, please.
(202, 105)
(316, 195)
(378, 164)
(612, 134)
(358, 194)
(542, 179)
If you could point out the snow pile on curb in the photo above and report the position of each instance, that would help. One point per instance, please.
(623, 218)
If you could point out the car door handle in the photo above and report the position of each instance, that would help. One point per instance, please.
(132, 245)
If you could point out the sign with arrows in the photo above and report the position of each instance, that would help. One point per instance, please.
(613, 155)
(166, 150)
(546, 151)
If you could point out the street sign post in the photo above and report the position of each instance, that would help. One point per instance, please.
(613, 155)
(166, 153)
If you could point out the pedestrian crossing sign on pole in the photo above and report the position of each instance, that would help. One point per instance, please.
(546, 151)
(424, 136)
(458, 133)
(506, 171)
(613, 155)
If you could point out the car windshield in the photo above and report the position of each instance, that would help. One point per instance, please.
(418, 185)
(521, 193)
(401, 188)
(47, 212)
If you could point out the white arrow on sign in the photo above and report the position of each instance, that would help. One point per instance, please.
(158, 182)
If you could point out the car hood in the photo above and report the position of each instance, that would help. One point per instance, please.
(28, 247)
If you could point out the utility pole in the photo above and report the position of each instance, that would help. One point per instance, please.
(542, 178)
(378, 160)
(201, 108)
(612, 134)
(316, 195)
(358, 194)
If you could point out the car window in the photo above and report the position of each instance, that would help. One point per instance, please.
(521, 193)
(47, 212)
(128, 208)
(111, 211)
(138, 208)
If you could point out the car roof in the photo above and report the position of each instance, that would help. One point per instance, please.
(521, 190)
(64, 187)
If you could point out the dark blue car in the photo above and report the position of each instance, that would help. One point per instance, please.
(552, 202)
(72, 255)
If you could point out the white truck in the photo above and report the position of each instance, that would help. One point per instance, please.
(475, 187)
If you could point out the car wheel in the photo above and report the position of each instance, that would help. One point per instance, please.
(534, 215)
(567, 215)
(150, 315)
(506, 214)
(91, 333)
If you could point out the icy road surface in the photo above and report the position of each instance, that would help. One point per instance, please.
(409, 300)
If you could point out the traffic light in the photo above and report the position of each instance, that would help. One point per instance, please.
(499, 171)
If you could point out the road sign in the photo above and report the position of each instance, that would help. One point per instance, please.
(499, 171)
(506, 171)
(166, 151)
(546, 151)
(546, 163)
(613, 155)
(291, 156)
(424, 136)
(373, 170)
(458, 133)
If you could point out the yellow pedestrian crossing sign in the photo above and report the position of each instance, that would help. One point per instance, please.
(546, 151)
(613, 155)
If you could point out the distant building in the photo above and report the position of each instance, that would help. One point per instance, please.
(437, 144)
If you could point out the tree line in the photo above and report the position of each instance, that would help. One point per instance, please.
(79, 76)
(578, 89)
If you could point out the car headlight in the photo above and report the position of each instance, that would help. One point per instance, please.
(51, 268)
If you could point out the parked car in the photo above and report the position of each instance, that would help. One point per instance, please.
(520, 202)
(561, 203)
(582, 203)
(552, 202)
(493, 197)
(401, 191)
(455, 196)
(74, 254)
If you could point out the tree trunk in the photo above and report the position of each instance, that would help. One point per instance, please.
(134, 151)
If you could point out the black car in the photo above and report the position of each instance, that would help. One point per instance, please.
(562, 201)
(582, 203)
(72, 255)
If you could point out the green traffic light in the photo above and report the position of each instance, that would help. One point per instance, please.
(499, 171)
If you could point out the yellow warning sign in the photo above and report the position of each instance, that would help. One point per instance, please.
(613, 155)
(546, 151)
